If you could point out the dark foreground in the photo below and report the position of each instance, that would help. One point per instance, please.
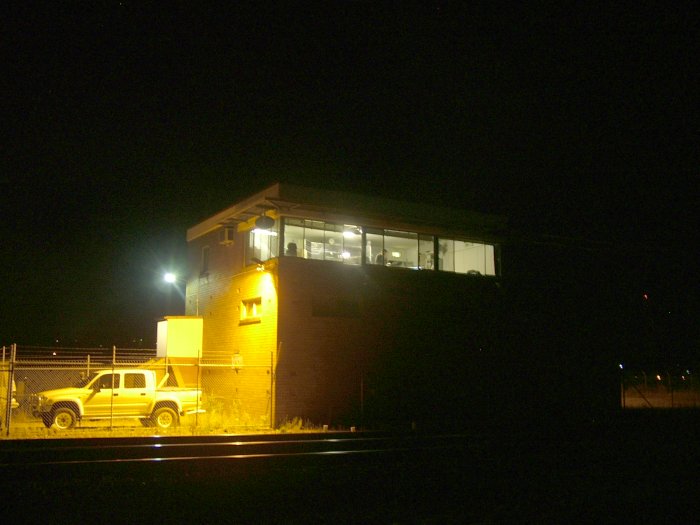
(639, 467)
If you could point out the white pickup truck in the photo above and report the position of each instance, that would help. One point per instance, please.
(126, 393)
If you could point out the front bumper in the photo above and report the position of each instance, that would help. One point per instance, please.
(38, 407)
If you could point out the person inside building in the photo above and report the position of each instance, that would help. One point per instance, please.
(381, 258)
(291, 249)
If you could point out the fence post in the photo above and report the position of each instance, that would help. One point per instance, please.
(273, 380)
(111, 399)
(199, 387)
(362, 400)
(10, 381)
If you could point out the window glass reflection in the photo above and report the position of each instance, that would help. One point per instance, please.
(314, 239)
(293, 237)
(402, 249)
(333, 246)
(425, 252)
(374, 246)
(447, 255)
(352, 244)
(262, 244)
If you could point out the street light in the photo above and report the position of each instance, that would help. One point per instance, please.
(171, 278)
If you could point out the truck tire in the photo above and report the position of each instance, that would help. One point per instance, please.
(165, 417)
(64, 418)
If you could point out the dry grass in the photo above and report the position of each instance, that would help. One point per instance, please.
(33, 429)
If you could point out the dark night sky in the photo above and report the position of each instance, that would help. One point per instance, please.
(122, 126)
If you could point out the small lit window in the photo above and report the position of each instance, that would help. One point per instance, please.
(251, 310)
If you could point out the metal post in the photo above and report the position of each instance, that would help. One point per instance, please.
(271, 384)
(199, 387)
(362, 400)
(10, 381)
(623, 393)
(111, 399)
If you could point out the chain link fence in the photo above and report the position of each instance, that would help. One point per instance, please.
(660, 389)
(227, 396)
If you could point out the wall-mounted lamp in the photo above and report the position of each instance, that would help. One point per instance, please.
(264, 222)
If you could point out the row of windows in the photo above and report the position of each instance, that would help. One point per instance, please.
(355, 245)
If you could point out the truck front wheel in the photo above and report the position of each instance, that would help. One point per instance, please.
(64, 418)
(165, 417)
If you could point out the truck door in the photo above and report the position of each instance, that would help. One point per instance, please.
(101, 402)
(135, 396)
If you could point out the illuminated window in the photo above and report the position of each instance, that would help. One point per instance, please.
(315, 239)
(262, 244)
(472, 258)
(294, 237)
(401, 249)
(352, 244)
(426, 258)
(447, 255)
(251, 310)
(324, 241)
(374, 245)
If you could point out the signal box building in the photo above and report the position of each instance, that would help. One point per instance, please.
(344, 309)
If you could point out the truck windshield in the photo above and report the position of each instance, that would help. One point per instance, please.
(86, 379)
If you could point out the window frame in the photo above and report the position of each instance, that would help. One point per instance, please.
(248, 317)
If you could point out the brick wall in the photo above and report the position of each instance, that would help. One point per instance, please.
(226, 337)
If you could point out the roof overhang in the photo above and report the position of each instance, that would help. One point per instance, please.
(287, 199)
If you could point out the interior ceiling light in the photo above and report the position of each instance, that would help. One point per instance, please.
(262, 231)
(351, 233)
